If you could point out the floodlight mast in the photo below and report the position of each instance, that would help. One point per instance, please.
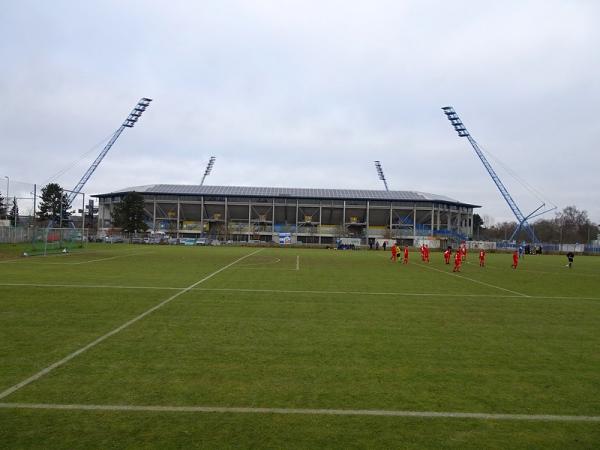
(521, 218)
(381, 175)
(129, 122)
(209, 166)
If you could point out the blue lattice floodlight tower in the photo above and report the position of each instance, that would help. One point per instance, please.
(129, 122)
(522, 220)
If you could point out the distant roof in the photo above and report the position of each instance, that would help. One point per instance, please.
(253, 191)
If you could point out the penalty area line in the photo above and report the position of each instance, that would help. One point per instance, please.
(69, 357)
(329, 412)
(453, 274)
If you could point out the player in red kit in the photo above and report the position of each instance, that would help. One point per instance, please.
(457, 261)
(394, 250)
(482, 258)
(515, 259)
(426, 253)
(447, 255)
(406, 254)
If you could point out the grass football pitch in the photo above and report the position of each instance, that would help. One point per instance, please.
(121, 346)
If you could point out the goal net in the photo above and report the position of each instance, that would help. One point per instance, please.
(55, 240)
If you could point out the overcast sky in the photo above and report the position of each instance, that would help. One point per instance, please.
(307, 94)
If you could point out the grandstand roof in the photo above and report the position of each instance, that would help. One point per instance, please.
(253, 191)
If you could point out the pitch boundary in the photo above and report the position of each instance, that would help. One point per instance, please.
(291, 291)
(90, 286)
(329, 412)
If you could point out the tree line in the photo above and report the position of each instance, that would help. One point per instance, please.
(570, 225)
(9, 210)
(53, 206)
(54, 209)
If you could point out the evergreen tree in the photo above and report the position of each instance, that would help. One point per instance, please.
(2, 207)
(477, 225)
(13, 215)
(129, 213)
(53, 202)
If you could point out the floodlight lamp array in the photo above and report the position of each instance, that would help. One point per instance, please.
(211, 163)
(381, 175)
(136, 112)
(455, 121)
(379, 170)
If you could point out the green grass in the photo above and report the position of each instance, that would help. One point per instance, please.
(348, 330)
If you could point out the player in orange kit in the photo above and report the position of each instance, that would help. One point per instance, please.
(482, 258)
(406, 254)
(447, 255)
(457, 261)
(515, 260)
(394, 251)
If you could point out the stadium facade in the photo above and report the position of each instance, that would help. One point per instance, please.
(318, 216)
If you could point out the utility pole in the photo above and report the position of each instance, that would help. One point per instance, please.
(34, 202)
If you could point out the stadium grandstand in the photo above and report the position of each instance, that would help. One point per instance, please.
(312, 216)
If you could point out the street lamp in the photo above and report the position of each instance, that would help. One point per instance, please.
(7, 185)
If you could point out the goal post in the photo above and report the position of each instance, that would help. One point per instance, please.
(55, 240)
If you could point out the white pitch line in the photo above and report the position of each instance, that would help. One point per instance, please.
(527, 270)
(113, 257)
(23, 258)
(5, 261)
(89, 261)
(396, 294)
(328, 412)
(69, 357)
(275, 261)
(292, 291)
(90, 286)
(454, 274)
(297, 262)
